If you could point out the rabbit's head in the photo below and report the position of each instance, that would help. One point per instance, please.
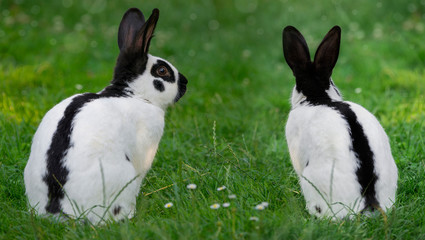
(313, 79)
(139, 73)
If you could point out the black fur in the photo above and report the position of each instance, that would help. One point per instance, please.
(360, 146)
(116, 210)
(57, 174)
(171, 78)
(311, 84)
(312, 78)
(182, 86)
(131, 23)
(129, 65)
(116, 90)
(158, 85)
(318, 209)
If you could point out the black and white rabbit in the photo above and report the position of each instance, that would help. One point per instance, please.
(339, 150)
(92, 150)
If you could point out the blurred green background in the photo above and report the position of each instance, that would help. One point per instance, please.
(229, 127)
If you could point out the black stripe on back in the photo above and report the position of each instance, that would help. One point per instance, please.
(57, 174)
(361, 148)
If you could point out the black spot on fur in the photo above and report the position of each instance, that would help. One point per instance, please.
(318, 209)
(127, 158)
(158, 85)
(116, 210)
(170, 78)
(307, 164)
(361, 148)
(57, 174)
(130, 64)
(182, 82)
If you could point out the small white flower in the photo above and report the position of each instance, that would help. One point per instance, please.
(168, 205)
(221, 188)
(232, 196)
(265, 204)
(78, 86)
(358, 90)
(191, 186)
(259, 207)
(215, 206)
(226, 204)
(253, 219)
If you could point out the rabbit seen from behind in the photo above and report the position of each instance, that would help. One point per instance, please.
(338, 149)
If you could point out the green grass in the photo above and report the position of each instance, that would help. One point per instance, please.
(229, 127)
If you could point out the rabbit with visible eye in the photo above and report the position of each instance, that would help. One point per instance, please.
(92, 150)
(339, 150)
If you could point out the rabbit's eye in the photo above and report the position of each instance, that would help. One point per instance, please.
(162, 71)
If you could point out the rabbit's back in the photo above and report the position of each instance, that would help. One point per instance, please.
(318, 135)
(321, 144)
(112, 144)
(117, 128)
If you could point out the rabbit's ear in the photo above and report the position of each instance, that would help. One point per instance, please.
(295, 49)
(145, 35)
(131, 23)
(327, 52)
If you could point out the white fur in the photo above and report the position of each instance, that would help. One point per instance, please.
(105, 130)
(319, 135)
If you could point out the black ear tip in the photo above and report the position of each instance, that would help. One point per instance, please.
(290, 29)
(134, 13)
(336, 29)
(133, 10)
(155, 13)
(290, 32)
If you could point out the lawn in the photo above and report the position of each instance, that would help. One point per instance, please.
(228, 130)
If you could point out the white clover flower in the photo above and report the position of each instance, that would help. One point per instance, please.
(226, 204)
(191, 186)
(78, 86)
(358, 90)
(168, 205)
(265, 204)
(215, 206)
(221, 188)
(232, 196)
(254, 219)
(259, 207)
